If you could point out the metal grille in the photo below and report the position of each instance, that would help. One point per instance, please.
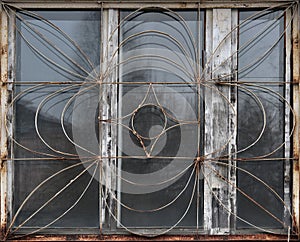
(152, 123)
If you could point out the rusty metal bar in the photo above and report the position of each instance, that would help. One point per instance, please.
(3, 136)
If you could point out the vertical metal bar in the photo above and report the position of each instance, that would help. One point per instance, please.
(296, 105)
(3, 106)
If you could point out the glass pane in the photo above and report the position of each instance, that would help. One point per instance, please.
(63, 46)
(56, 52)
(67, 200)
(38, 114)
(158, 135)
(261, 119)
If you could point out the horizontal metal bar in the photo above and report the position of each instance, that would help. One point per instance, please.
(147, 83)
(153, 157)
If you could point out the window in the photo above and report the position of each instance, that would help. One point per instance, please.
(159, 120)
(261, 63)
(48, 54)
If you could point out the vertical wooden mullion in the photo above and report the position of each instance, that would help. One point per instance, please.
(11, 111)
(287, 129)
(207, 206)
(108, 103)
(218, 118)
(232, 175)
(221, 70)
(113, 102)
(3, 108)
(296, 106)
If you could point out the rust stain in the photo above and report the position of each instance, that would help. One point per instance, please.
(3, 223)
(183, 5)
(4, 77)
(2, 232)
(3, 159)
(294, 223)
(296, 151)
(257, 237)
(296, 80)
(4, 49)
(3, 156)
(296, 42)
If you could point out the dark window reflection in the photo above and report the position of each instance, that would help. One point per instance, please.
(65, 49)
(261, 117)
(161, 48)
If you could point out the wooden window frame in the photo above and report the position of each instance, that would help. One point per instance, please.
(109, 9)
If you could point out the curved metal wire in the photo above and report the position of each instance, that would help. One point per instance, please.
(205, 164)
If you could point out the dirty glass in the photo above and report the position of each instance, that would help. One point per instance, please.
(159, 134)
(55, 51)
(261, 111)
